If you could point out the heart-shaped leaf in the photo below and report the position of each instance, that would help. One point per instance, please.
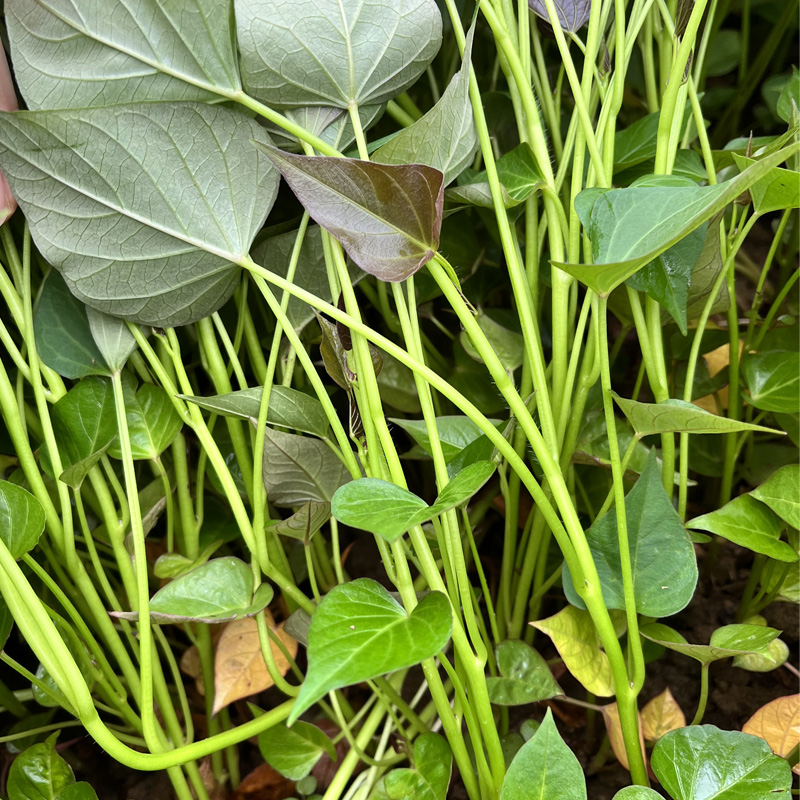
(388, 510)
(572, 14)
(359, 632)
(661, 715)
(445, 138)
(781, 492)
(75, 53)
(387, 218)
(334, 52)
(662, 555)
(726, 642)
(218, 591)
(142, 208)
(63, 337)
(778, 190)
(433, 763)
(39, 772)
(112, 337)
(526, 678)
(676, 415)
(630, 227)
(455, 433)
(544, 768)
(298, 469)
(21, 524)
(702, 762)
(152, 421)
(576, 639)
(294, 751)
(773, 381)
(778, 724)
(749, 523)
(84, 423)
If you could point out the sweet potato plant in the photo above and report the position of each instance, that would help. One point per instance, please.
(381, 383)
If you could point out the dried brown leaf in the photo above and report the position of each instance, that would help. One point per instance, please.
(661, 715)
(778, 724)
(614, 731)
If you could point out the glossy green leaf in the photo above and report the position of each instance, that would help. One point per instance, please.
(388, 510)
(778, 190)
(21, 523)
(572, 14)
(663, 561)
(144, 209)
(112, 337)
(359, 632)
(310, 274)
(387, 218)
(75, 53)
(781, 492)
(749, 523)
(576, 639)
(637, 793)
(636, 143)
(773, 381)
(85, 423)
(305, 522)
(334, 52)
(455, 433)
(63, 337)
(152, 421)
(702, 762)
(39, 773)
(671, 416)
(445, 138)
(726, 642)
(430, 777)
(667, 277)
(297, 469)
(294, 751)
(288, 408)
(630, 227)
(78, 791)
(218, 591)
(544, 768)
(526, 678)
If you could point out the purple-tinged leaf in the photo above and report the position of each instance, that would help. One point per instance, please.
(572, 14)
(386, 217)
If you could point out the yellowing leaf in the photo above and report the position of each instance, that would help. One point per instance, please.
(239, 667)
(574, 635)
(661, 715)
(716, 360)
(614, 731)
(778, 724)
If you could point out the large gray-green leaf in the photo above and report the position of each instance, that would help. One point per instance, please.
(630, 227)
(387, 218)
(359, 631)
(78, 53)
(298, 468)
(334, 52)
(274, 254)
(705, 763)
(544, 768)
(662, 555)
(671, 416)
(21, 524)
(445, 138)
(142, 207)
(63, 337)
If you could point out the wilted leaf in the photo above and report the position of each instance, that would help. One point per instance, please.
(615, 737)
(239, 666)
(778, 724)
(387, 218)
(661, 715)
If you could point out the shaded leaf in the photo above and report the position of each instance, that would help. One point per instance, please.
(359, 632)
(298, 469)
(526, 678)
(661, 715)
(294, 751)
(572, 14)
(144, 209)
(777, 723)
(239, 666)
(702, 762)
(152, 421)
(75, 53)
(749, 523)
(430, 777)
(544, 768)
(334, 53)
(576, 639)
(112, 337)
(21, 524)
(63, 338)
(781, 492)
(305, 522)
(387, 218)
